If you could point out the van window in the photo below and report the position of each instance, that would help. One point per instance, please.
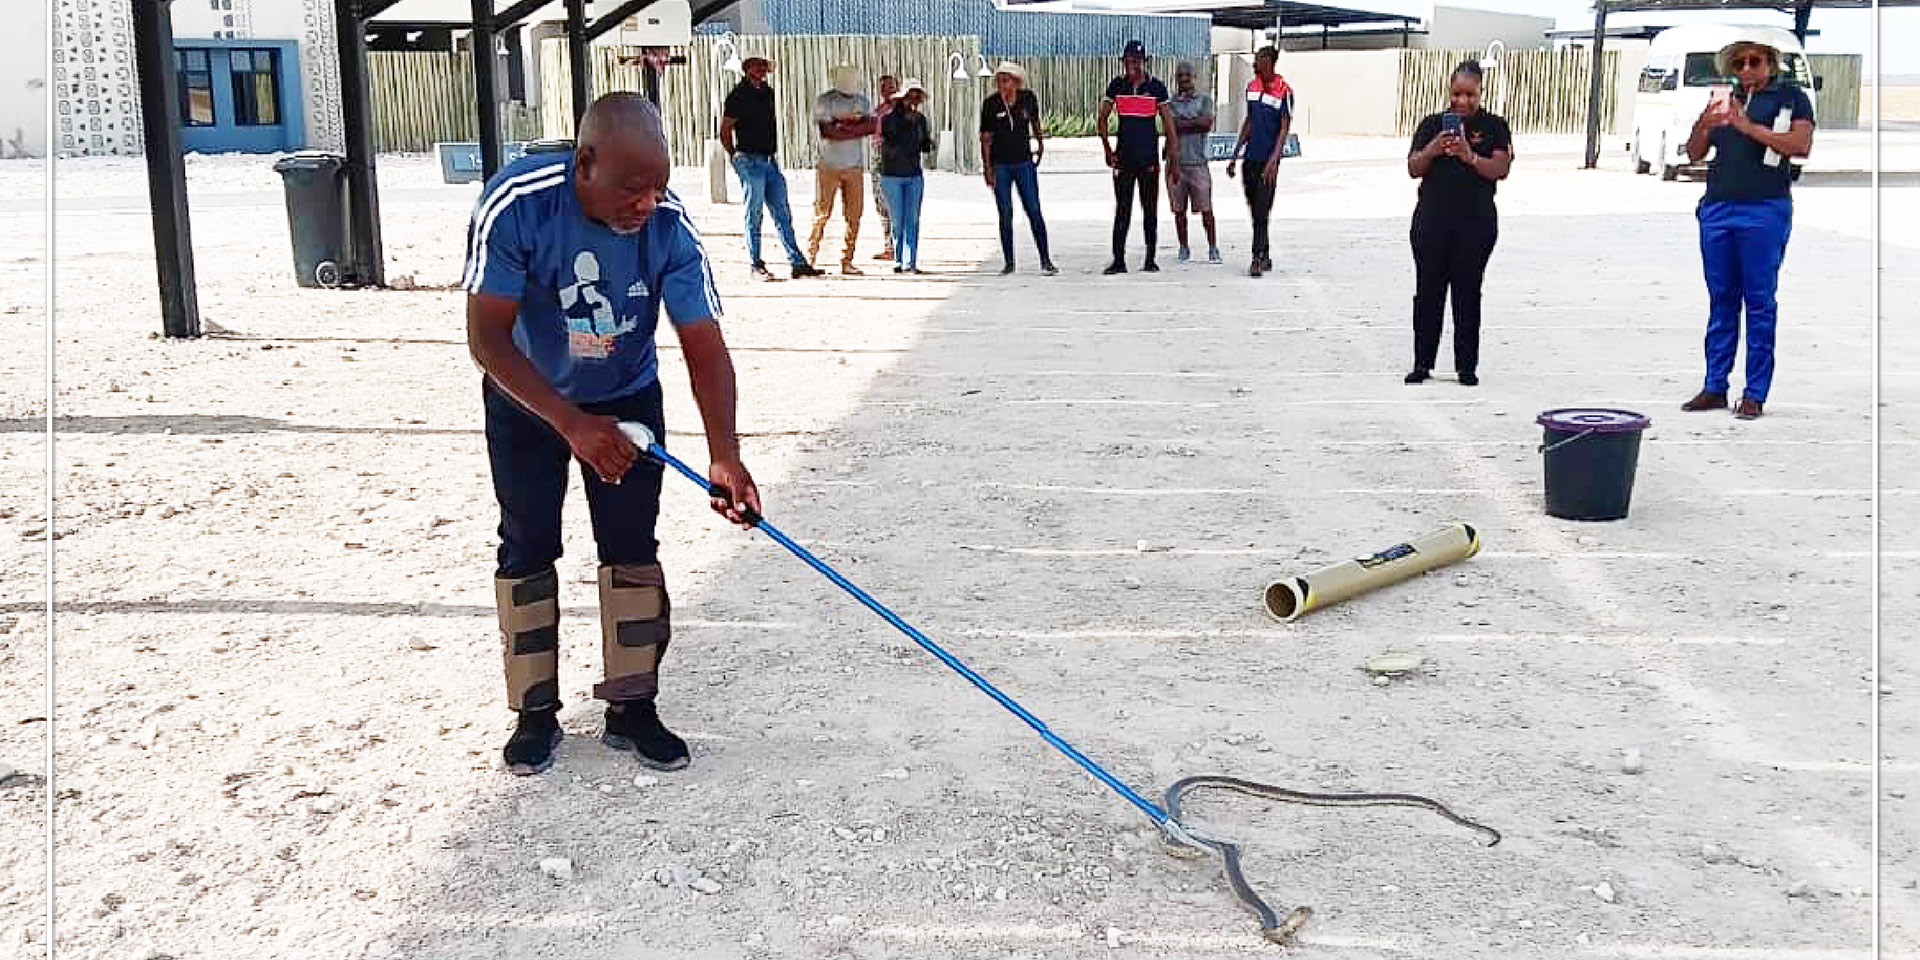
(1701, 71)
(1651, 78)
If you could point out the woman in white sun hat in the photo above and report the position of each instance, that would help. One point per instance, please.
(1011, 147)
(905, 137)
(1754, 132)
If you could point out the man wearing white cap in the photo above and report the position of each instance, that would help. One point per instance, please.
(845, 118)
(1010, 115)
(1754, 131)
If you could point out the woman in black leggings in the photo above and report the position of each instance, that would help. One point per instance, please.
(1458, 156)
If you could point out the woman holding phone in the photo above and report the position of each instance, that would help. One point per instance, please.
(1458, 155)
(904, 137)
(1754, 131)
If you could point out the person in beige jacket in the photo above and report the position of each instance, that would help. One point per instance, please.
(845, 118)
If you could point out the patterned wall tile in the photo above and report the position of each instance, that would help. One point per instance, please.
(96, 92)
(320, 71)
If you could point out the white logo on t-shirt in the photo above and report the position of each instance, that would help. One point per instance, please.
(591, 326)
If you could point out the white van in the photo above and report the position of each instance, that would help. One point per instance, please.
(1680, 76)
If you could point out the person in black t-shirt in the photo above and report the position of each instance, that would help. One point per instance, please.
(1458, 156)
(1011, 147)
(1755, 131)
(1140, 100)
(750, 135)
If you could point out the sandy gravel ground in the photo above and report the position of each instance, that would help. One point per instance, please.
(280, 683)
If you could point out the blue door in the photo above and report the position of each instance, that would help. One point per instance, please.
(240, 96)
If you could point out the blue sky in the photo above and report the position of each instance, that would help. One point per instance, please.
(1841, 31)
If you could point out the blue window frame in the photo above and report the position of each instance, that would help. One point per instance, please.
(196, 88)
(256, 87)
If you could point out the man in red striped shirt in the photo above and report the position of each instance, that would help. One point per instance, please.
(1140, 100)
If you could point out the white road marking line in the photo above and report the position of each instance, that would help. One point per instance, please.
(1497, 494)
(1483, 555)
(1069, 932)
(1635, 639)
(1071, 402)
(1673, 951)
(1215, 633)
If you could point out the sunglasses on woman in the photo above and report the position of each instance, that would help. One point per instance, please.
(1745, 62)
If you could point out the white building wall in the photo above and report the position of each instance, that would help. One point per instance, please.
(1460, 28)
(1343, 91)
(309, 22)
(97, 95)
(23, 85)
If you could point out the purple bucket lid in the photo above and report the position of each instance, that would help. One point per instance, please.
(1594, 419)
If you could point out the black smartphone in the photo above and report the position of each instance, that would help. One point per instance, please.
(1451, 123)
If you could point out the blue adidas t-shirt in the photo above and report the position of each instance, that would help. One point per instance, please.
(589, 298)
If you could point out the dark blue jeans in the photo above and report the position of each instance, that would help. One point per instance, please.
(1025, 177)
(1742, 245)
(529, 461)
(766, 188)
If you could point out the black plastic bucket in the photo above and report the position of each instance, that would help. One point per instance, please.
(1590, 457)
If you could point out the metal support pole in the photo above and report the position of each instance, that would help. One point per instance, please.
(166, 168)
(650, 82)
(484, 75)
(1802, 17)
(368, 262)
(1594, 89)
(577, 60)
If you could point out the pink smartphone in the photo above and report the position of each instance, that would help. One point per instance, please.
(1720, 98)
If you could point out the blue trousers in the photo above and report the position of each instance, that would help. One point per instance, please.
(765, 186)
(1742, 244)
(903, 200)
(1024, 177)
(529, 462)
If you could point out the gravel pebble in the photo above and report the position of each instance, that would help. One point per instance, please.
(557, 868)
(1632, 763)
(1606, 892)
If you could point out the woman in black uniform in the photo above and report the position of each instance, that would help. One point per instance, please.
(1458, 156)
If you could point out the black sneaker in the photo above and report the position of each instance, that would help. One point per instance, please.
(1118, 266)
(1469, 379)
(530, 749)
(801, 270)
(1149, 267)
(635, 725)
(1005, 270)
(1049, 269)
(1418, 376)
(760, 272)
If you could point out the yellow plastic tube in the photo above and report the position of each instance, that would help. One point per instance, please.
(1287, 600)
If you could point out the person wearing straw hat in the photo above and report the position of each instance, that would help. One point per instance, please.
(845, 119)
(1011, 147)
(1139, 99)
(887, 85)
(750, 133)
(1754, 132)
(907, 138)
